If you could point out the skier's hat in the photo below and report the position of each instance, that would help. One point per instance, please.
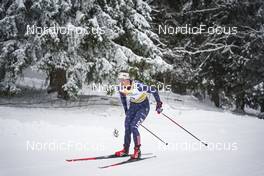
(123, 75)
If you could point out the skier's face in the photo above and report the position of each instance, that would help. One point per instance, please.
(125, 82)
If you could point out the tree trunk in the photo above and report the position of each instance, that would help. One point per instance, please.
(57, 80)
(262, 106)
(240, 102)
(215, 97)
(2, 73)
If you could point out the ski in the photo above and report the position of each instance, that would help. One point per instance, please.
(126, 162)
(101, 157)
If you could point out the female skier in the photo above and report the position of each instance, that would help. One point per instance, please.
(137, 111)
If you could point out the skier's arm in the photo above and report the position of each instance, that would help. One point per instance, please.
(154, 92)
(124, 101)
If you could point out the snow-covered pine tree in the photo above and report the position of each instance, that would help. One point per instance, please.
(221, 65)
(124, 40)
(15, 53)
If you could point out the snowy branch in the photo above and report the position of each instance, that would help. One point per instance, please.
(183, 50)
(202, 10)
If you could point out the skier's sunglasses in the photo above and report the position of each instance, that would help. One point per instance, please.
(128, 87)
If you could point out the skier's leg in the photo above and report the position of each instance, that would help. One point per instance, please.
(127, 138)
(139, 117)
(129, 117)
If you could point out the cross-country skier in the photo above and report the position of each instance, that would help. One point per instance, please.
(137, 111)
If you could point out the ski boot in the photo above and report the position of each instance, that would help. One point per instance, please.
(123, 152)
(137, 153)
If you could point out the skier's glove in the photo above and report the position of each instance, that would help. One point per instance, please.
(159, 107)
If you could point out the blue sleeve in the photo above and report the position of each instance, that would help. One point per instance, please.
(154, 92)
(149, 89)
(124, 101)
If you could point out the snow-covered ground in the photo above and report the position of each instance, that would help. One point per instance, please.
(36, 141)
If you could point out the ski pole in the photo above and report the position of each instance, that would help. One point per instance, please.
(184, 129)
(154, 135)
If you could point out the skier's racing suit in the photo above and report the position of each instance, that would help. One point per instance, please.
(138, 109)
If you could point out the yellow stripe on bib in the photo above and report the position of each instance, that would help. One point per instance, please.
(140, 99)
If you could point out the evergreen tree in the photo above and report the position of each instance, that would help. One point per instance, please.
(221, 64)
(117, 36)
